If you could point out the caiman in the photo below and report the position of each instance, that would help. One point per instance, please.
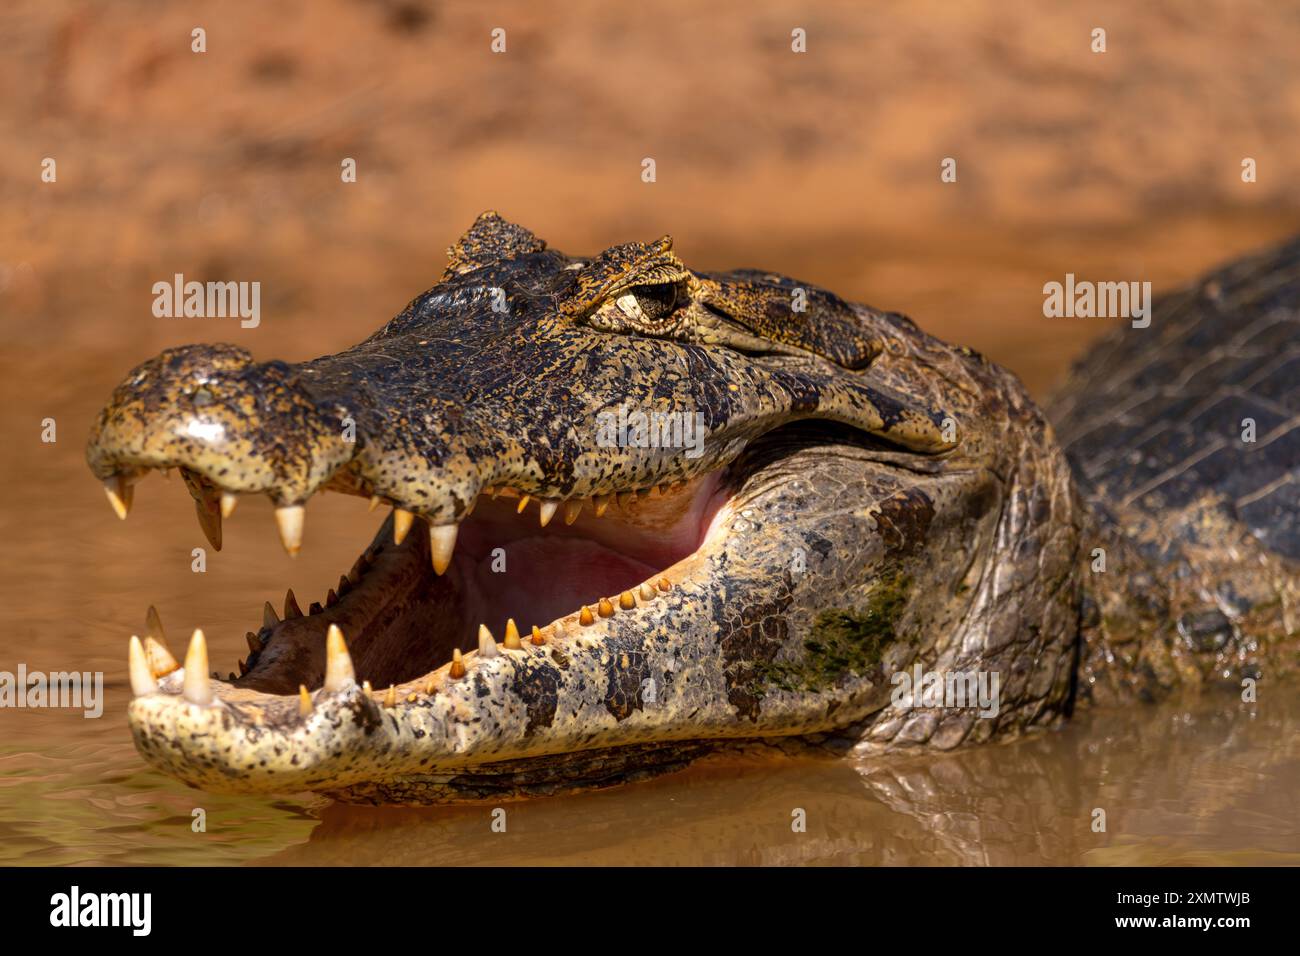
(641, 513)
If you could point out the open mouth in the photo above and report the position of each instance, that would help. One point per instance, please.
(420, 600)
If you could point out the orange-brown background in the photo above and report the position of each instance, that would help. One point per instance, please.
(825, 165)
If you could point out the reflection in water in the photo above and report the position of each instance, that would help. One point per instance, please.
(1212, 784)
(1211, 781)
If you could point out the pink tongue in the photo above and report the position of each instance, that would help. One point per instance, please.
(546, 578)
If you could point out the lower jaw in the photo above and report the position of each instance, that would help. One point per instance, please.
(402, 621)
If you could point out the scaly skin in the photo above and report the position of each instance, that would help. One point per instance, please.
(866, 498)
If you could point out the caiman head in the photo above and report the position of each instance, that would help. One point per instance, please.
(758, 504)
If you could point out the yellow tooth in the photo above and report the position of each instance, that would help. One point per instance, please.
(196, 688)
(584, 616)
(512, 635)
(523, 503)
(401, 524)
(366, 688)
(601, 502)
(428, 688)
(487, 645)
(153, 624)
(291, 608)
(664, 584)
(375, 502)
(228, 502)
(572, 509)
(269, 617)
(304, 700)
(537, 638)
(142, 681)
(390, 698)
(604, 608)
(625, 498)
(288, 519)
(254, 645)
(547, 511)
(626, 601)
(442, 543)
(663, 489)
(339, 674)
(161, 662)
(457, 669)
(117, 489)
(209, 515)
(647, 593)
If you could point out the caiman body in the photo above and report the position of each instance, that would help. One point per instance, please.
(860, 501)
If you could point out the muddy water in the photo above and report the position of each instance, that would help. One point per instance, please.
(1208, 780)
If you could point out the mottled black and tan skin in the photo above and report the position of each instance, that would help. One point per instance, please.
(866, 498)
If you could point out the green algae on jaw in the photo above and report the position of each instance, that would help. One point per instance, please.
(843, 641)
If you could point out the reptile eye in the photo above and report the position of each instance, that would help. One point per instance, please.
(650, 302)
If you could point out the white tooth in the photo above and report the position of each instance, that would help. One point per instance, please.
(118, 492)
(442, 542)
(142, 681)
(339, 674)
(401, 524)
(288, 519)
(196, 688)
(487, 645)
(547, 512)
(228, 502)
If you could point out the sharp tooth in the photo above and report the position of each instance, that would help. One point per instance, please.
(161, 662)
(647, 593)
(537, 637)
(339, 674)
(428, 687)
(288, 518)
(663, 489)
(547, 511)
(118, 491)
(254, 645)
(375, 502)
(269, 617)
(196, 688)
(512, 635)
(344, 586)
(523, 503)
(228, 502)
(153, 624)
(442, 542)
(487, 645)
(585, 617)
(604, 608)
(304, 700)
(626, 601)
(469, 509)
(354, 575)
(664, 584)
(209, 515)
(243, 669)
(457, 669)
(291, 608)
(601, 502)
(331, 598)
(573, 508)
(142, 681)
(401, 524)
(390, 698)
(315, 608)
(365, 688)
(493, 491)
(625, 498)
